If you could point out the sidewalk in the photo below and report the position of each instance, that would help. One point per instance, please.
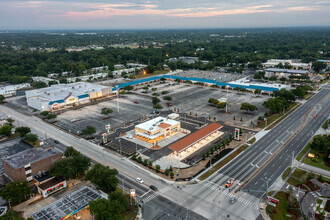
(307, 167)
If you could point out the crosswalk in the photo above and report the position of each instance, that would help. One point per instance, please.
(150, 195)
(223, 191)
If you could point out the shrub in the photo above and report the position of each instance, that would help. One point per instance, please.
(134, 157)
(167, 171)
(172, 175)
(157, 168)
(139, 159)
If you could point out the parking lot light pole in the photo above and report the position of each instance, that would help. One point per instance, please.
(117, 98)
(124, 184)
(119, 144)
(227, 101)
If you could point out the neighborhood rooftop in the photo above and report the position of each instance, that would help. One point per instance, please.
(29, 156)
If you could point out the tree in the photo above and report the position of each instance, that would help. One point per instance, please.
(158, 106)
(257, 91)
(5, 130)
(63, 81)
(318, 66)
(222, 105)
(51, 116)
(139, 159)
(203, 156)
(157, 168)
(104, 177)
(128, 88)
(167, 171)
(172, 175)
(16, 192)
(44, 113)
(2, 98)
(11, 215)
(70, 167)
(150, 69)
(39, 84)
(150, 164)
(111, 208)
(164, 92)
(71, 152)
(89, 130)
(248, 107)
(54, 82)
(106, 111)
(153, 89)
(145, 162)
(287, 95)
(275, 104)
(168, 98)
(155, 100)
(31, 137)
(22, 131)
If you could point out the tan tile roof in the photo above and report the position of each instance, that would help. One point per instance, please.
(191, 139)
(164, 125)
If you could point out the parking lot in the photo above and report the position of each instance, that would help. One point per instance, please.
(194, 99)
(91, 115)
(215, 75)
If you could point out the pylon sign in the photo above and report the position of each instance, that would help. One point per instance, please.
(107, 128)
(105, 140)
(132, 192)
(236, 136)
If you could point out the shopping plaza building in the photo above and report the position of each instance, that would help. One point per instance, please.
(157, 129)
(61, 96)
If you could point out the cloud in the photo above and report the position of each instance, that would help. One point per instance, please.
(156, 13)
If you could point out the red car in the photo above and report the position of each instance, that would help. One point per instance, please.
(229, 183)
(136, 102)
(314, 116)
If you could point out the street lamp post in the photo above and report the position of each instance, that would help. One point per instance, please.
(284, 108)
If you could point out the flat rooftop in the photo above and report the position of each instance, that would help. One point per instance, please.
(29, 156)
(67, 205)
(60, 91)
(195, 137)
(155, 123)
(247, 82)
(279, 70)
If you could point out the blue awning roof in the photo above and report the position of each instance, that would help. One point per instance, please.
(57, 101)
(209, 81)
(83, 96)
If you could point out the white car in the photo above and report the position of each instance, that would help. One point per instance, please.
(139, 180)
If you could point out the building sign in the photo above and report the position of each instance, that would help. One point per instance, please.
(55, 104)
(105, 140)
(132, 192)
(71, 99)
(273, 200)
(167, 129)
(236, 136)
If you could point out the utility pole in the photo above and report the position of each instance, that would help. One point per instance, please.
(135, 148)
(266, 181)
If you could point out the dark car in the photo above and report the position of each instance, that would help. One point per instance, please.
(154, 188)
(56, 142)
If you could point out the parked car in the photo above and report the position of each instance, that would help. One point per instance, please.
(154, 188)
(229, 183)
(136, 102)
(56, 142)
(315, 116)
(139, 180)
(169, 104)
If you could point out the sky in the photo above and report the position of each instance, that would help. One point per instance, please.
(159, 14)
